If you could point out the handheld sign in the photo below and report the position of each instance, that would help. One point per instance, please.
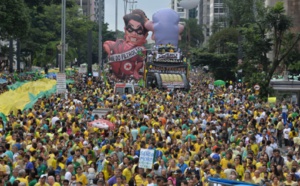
(146, 158)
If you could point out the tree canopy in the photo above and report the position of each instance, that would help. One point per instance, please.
(15, 19)
(38, 24)
(192, 35)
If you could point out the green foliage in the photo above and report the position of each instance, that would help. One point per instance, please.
(256, 46)
(45, 32)
(269, 33)
(222, 65)
(224, 41)
(14, 18)
(240, 12)
(192, 35)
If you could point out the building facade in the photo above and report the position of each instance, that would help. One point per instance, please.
(97, 10)
(90, 8)
(204, 18)
(209, 13)
(181, 11)
(217, 16)
(293, 9)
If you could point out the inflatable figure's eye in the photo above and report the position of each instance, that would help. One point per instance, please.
(129, 29)
(138, 31)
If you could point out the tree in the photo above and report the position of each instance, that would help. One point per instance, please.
(221, 65)
(267, 35)
(45, 33)
(14, 16)
(241, 12)
(14, 23)
(224, 41)
(192, 35)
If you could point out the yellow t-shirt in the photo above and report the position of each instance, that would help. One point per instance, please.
(257, 180)
(51, 162)
(2, 169)
(224, 162)
(82, 178)
(106, 174)
(23, 180)
(139, 180)
(127, 173)
(254, 148)
(258, 164)
(56, 184)
(240, 170)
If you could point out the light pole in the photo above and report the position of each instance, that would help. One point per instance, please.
(100, 35)
(116, 19)
(63, 37)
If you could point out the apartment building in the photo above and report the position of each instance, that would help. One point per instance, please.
(90, 8)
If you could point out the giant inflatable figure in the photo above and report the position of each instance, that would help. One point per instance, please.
(126, 56)
(165, 27)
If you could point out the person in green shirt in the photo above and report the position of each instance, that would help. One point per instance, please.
(42, 167)
(32, 179)
(14, 176)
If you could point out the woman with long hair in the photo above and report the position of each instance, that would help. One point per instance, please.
(247, 177)
(58, 179)
(239, 167)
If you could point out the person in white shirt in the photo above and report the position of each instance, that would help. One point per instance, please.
(54, 119)
(269, 149)
(286, 132)
(68, 174)
(273, 143)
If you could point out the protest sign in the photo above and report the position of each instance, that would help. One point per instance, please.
(146, 158)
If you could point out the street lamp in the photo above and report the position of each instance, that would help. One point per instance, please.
(116, 12)
(100, 7)
(63, 37)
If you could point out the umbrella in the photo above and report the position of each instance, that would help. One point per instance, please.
(102, 124)
(219, 83)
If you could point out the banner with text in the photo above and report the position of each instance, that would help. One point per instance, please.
(126, 55)
(146, 158)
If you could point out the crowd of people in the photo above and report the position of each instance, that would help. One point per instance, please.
(206, 132)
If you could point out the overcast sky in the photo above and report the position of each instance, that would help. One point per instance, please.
(148, 6)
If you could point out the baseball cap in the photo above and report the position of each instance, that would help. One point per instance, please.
(43, 176)
(216, 157)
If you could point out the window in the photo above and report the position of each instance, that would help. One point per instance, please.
(120, 90)
(128, 90)
(207, 31)
(181, 14)
(218, 10)
(180, 10)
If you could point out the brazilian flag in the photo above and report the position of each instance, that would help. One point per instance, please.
(141, 83)
(4, 119)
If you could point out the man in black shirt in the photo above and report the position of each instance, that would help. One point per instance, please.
(180, 178)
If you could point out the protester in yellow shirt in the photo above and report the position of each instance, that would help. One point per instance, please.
(80, 177)
(21, 177)
(127, 172)
(239, 167)
(227, 159)
(140, 179)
